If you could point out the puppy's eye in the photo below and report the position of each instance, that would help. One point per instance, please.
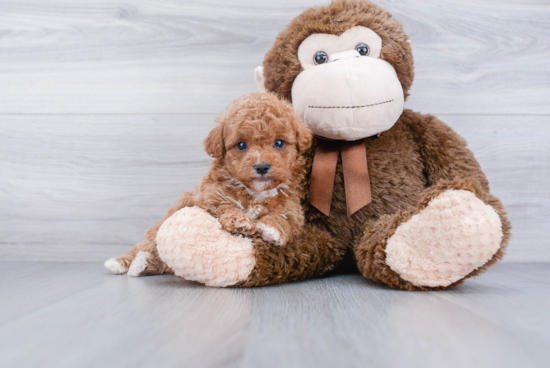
(363, 49)
(320, 57)
(242, 146)
(279, 143)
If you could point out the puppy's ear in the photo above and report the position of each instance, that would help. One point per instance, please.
(214, 143)
(303, 137)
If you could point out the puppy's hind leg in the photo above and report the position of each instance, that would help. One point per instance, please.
(142, 260)
(119, 265)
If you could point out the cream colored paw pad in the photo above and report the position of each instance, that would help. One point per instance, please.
(194, 245)
(454, 235)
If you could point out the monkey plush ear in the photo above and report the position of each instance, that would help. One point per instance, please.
(214, 143)
(259, 77)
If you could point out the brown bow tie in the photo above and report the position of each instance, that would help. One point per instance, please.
(356, 175)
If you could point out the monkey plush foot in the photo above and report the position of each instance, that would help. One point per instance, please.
(455, 234)
(194, 245)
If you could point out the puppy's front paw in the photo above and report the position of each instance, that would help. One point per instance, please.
(270, 234)
(238, 224)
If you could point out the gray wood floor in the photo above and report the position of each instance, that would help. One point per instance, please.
(104, 104)
(57, 314)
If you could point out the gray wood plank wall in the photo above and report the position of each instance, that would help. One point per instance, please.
(104, 104)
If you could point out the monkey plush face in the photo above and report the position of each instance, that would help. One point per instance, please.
(347, 68)
(345, 90)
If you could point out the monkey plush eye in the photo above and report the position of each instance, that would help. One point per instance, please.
(241, 146)
(320, 57)
(279, 143)
(363, 49)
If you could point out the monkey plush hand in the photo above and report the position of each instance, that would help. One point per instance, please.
(409, 207)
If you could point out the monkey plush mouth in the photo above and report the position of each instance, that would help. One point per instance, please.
(348, 99)
(349, 107)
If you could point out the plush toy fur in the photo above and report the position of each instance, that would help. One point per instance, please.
(432, 222)
(409, 165)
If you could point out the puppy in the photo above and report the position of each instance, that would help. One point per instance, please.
(253, 186)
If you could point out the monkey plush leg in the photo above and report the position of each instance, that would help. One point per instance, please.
(457, 232)
(310, 254)
(194, 245)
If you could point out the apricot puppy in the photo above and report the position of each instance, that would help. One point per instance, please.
(254, 183)
(253, 186)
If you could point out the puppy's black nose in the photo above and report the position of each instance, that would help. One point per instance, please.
(262, 168)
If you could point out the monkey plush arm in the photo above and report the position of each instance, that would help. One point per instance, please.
(457, 230)
(443, 151)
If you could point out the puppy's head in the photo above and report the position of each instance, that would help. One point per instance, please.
(258, 140)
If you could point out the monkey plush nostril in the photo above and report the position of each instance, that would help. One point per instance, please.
(262, 168)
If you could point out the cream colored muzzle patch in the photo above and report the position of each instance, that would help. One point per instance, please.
(350, 98)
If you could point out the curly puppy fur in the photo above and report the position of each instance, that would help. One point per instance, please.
(246, 200)
(234, 191)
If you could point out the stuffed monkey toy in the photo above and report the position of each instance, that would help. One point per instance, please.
(390, 192)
